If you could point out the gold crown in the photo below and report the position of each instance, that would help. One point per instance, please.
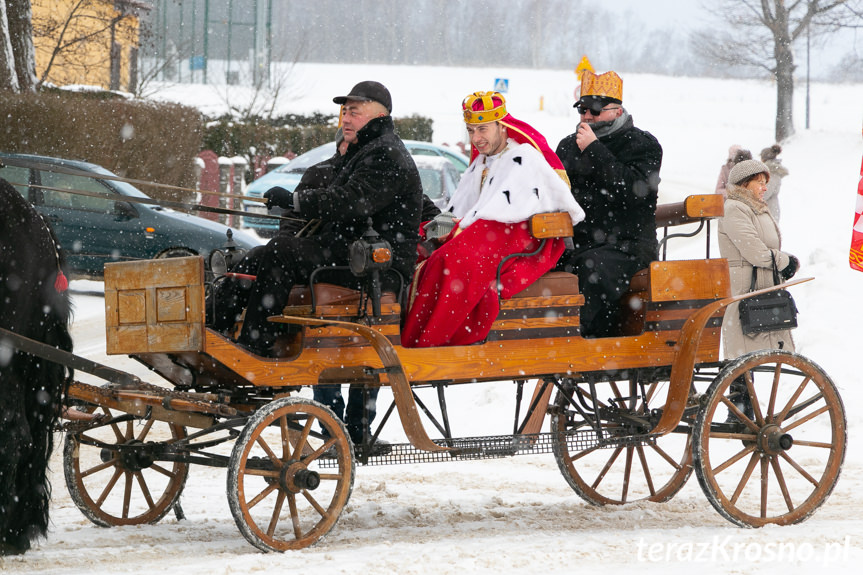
(608, 85)
(489, 112)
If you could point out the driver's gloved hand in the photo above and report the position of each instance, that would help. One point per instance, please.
(279, 197)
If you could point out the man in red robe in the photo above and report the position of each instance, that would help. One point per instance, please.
(513, 175)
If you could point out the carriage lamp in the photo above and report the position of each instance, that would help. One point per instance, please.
(370, 253)
(222, 259)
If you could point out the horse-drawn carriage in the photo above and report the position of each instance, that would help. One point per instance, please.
(630, 416)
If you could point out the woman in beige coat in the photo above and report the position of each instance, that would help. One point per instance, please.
(749, 236)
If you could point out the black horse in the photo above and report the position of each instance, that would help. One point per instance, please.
(33, 303)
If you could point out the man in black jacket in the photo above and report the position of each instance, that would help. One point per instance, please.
(375, 179)
(613, 168)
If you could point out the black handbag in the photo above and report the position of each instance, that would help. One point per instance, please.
(772, 311)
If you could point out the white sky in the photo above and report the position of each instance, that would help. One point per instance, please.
(825, 53)
(659, 13)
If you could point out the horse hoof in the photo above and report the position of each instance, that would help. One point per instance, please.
(9, 549)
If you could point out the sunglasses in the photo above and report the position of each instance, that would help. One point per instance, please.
(595, 108)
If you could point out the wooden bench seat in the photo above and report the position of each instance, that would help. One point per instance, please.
(552, 283)
(336, 301)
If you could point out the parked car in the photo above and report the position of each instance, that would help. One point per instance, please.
(288, 176)
(93, 231)
(439, 178)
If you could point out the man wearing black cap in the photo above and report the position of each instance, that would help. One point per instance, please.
(613, 168)
(375, 179)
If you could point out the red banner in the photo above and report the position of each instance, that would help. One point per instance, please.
(856, 256)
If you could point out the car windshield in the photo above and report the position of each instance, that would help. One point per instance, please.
(432, 181)
(304, 161)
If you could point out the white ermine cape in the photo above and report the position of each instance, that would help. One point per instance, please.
(519, 183)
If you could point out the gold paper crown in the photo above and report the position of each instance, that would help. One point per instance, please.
(488, 113)
(608, 85)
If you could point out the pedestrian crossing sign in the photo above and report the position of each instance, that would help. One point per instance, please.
(501, 85)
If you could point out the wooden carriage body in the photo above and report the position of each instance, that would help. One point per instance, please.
(155, 312)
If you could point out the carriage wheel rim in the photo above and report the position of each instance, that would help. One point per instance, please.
(282, 491)
(772, 467)
(134, 483)
(651, 472)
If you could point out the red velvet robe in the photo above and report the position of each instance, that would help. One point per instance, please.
(456, 302)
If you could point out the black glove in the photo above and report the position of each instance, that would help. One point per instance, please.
(280, 197)
(788, 271)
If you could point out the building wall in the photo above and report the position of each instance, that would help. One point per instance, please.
(75, 39)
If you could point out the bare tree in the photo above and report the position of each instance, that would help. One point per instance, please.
(761, 35)
(21, 34)
(68, 34)
(152, 69)
(259, 94)
(8, 76)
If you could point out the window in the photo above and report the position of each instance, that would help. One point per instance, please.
(432, 182)
(60, 199)
(15, 175)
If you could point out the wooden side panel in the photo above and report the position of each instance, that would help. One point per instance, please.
(155, 306)
(689, 280)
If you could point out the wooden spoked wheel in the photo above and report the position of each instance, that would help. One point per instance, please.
(780, 464)
(288, 482)
(113, 473)
(619, 474)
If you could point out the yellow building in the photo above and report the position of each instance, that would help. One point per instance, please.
(93, 42)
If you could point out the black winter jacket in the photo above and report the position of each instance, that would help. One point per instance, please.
(319, 175)
(377, 179)
(616, 181)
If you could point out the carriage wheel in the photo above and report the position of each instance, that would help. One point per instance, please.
(112, 476)
(779, 465)
(624, 473)
(287, 484)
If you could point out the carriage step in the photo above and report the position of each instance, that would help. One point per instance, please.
(495, 447)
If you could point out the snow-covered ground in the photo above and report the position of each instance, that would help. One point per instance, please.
(518, 515)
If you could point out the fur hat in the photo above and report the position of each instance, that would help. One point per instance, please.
(771, 152)
(746, 169)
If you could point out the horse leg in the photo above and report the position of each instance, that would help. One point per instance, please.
(14, 538)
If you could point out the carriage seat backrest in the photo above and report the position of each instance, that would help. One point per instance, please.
(699, 209)
(693, 209)
(543, 226)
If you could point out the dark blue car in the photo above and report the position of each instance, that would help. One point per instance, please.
(93, 230)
